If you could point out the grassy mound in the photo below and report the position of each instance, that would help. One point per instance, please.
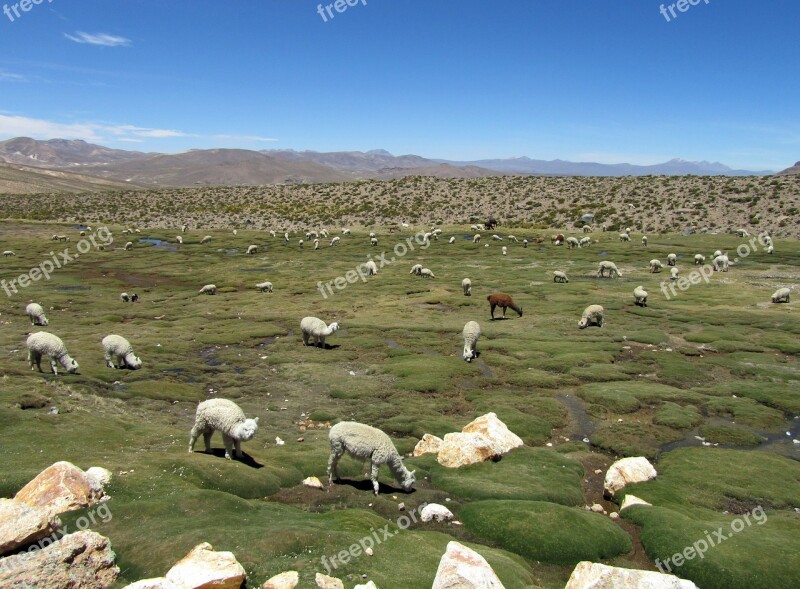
(545, 532)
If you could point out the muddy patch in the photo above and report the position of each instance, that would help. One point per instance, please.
(159, 244)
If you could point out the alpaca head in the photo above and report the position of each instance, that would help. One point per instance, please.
(133, 362)
(469, 353)
(69, 364)
(408, 480)
(583, 323)
(333, 327)
(247, 429)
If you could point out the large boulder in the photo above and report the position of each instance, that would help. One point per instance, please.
(83, 560)
(490, 426)
(591, 575)
(21, 525)
(428, 445)
(64, 487)
(486, 438)
(626, 471)
(460, 449)
(287, 580)
(462, 568)
(203, 568)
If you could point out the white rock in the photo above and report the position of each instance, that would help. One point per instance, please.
(483, 439)
(614, 515)
(463, 568)
(287, 580)
(435, 512)
(205, 568)
(369, 585)
(326, 582)
(428, 445)
(279, 441)
(597, 508)
(313, 482)
(632, 500)
(628, 470)
(589, 575)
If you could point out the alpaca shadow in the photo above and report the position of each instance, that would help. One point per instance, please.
(326, 346)
(366, 485)
(246, 459)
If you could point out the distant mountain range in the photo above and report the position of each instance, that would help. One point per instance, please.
(77, 165)
(795, 169)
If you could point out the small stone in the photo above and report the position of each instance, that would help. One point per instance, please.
(369, 551)
(279, 441)
(313, 482)
(597, 508)
(401, 507)
(326, 582)
(614, 515)
(301, 439)
(598, 471)
(287, 580)
(435, 512)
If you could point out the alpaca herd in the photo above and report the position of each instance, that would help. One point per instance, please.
(358, 440)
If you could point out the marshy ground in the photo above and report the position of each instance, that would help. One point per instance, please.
(717, 361)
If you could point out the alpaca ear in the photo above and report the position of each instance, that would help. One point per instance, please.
(256, 420)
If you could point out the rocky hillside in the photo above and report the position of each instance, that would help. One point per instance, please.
(649, 204)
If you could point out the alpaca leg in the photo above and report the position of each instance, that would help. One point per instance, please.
(321, 341)
(504, 312)
(237, 444)
(228, 441)
(492, 310)
(374, 476)
(109, 363)
(333, 462)
(193, 438)
(53, 366)
(207, 439)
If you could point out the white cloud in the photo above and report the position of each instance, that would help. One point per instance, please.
(102, 39)
(19, 126)
(11, 77)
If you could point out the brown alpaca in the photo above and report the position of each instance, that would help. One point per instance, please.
(557, 239)
(503, 301)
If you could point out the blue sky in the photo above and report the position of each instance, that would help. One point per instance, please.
(583, 80)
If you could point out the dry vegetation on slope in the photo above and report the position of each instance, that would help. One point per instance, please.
(649, 204)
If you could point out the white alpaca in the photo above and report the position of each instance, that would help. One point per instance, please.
(427, 273)
(640, 296)
(559, 276)
(264, 286)
(471, 333)
(316, 328)
(205, 239)
(371, 267)
(610, 267)
(370, 444)
(416, 269)
(118, 348)
(466, 284)
(35, 313)
(251, 249)
(44, 343)
(476, 238)
(226, 417)
(781, 295)
(592, 315)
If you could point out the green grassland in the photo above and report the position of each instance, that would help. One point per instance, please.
(717, 361)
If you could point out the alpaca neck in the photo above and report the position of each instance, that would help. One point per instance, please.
(398, 469)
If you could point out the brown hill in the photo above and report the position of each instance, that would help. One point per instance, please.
(26, 180)
(795, 169)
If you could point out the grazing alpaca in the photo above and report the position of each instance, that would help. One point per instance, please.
(365, 442)
(316, 328)
(503, 301)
